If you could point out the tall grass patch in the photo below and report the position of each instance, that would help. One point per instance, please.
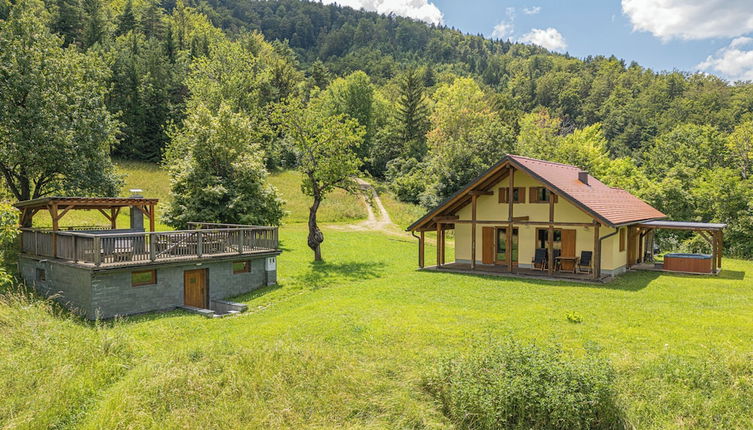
(507, 384)
(53, 364)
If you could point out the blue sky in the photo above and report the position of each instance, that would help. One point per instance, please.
(713, 36)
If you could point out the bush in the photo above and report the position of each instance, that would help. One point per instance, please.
(513, 386)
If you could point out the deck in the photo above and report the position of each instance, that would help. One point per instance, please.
(501, 270)
(115, 248)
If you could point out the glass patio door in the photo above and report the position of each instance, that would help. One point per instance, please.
(505, 243)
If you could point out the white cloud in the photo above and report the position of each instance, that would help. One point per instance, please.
(505, 28)
(502, 30)
(532, 10)
(550, 39)
(690, 19)
(733, 62)
(422, 10)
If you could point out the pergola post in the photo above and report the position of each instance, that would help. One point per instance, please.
(508, 236)
(720, 242)
(474, 198)
(421, 246)
(53, 208)
(114, 218)
(151, 218)
(713, 252)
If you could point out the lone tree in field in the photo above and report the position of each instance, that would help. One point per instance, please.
(55, 130)
(326, 150)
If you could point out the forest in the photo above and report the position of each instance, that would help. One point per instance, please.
(221, 92)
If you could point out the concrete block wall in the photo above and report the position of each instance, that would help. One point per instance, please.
(69, 285)
(106, 293)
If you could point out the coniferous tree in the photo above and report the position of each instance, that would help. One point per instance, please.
(412, 115)
(94, 23)
(127, 19)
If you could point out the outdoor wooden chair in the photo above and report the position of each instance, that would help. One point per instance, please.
(540, 259)
(585, 261)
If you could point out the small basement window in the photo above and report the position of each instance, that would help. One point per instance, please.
(241, 266)
(41, 275)
(143, 277)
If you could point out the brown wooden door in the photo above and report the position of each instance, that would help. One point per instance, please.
(568, 248)
(195, 288)
(488, 245)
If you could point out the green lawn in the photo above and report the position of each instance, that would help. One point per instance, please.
(346, 343)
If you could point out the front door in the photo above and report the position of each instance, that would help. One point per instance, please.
(505, 243)
(568, 248)
(195, 288)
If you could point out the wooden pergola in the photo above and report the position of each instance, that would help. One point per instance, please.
(710, 232)
(109, 207)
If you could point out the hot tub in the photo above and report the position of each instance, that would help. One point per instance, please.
(694, 263)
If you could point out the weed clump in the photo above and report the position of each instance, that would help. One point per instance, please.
(515, 386)
(574, 317)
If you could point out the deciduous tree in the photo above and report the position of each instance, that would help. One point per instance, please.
(217, 172)
(55, 130)
(326, 150)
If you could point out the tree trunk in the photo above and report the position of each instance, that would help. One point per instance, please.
(316, 237)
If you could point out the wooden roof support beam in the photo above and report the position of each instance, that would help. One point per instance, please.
(446, 218)
(481, 193)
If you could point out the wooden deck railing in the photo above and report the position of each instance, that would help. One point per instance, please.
(119, 248)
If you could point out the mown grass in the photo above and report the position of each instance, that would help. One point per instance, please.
(347, 344)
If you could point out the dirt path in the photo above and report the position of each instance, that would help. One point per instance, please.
(380, 221)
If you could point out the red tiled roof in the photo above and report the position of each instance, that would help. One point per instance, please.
(614, 205)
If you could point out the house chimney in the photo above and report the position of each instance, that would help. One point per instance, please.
(583, 177)
(137, 217)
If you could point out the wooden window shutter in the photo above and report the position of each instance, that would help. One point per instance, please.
(522, 194)
(533, 194)
(502, 195)
(622, 239)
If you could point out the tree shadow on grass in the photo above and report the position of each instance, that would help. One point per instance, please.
(322, 274)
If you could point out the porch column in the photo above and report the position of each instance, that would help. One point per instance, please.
(439, 244)
(550, 234)
(114, 218)
(421, 246)
(444, 232)
(474, 197)
(510, 199)
(596, 259)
